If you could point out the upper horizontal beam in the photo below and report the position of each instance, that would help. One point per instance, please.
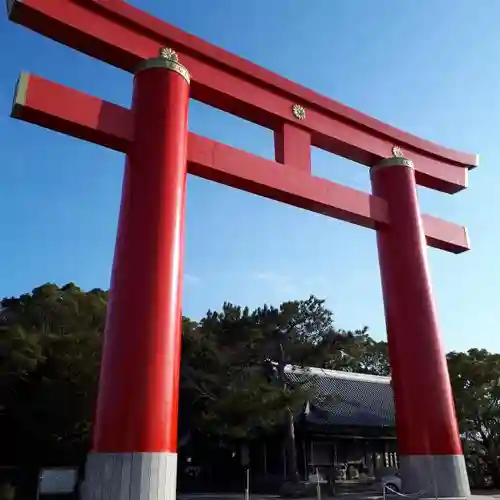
(122, 35)
(77, 114)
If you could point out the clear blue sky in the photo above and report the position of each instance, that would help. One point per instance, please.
(431, 67)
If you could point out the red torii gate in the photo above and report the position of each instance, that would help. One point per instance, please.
(135, 434)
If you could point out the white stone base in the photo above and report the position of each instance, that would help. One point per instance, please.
(435, 476)
(130, 476)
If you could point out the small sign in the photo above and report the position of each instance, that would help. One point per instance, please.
(57, 481)
(245, 455)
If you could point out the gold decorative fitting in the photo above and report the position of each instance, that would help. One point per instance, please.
(299, 112)
(167, 58)
(396, 160)
(397, 152)
(170, 54)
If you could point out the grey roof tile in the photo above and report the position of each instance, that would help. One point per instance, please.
(346, 399)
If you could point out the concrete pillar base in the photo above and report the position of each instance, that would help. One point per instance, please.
(130, 476)
(435, 476)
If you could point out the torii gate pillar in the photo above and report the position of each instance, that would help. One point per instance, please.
(431, 458)
(134, 450)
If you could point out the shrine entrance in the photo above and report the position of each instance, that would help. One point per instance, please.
(135, 432)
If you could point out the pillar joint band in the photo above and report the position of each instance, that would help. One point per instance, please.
(396, 160)
(392, 162)
(167, 59)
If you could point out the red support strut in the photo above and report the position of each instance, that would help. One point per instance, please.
(431, 456)
(135, 435)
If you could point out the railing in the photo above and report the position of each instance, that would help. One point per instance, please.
(392, 491)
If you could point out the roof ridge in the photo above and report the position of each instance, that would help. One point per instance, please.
(325, 372)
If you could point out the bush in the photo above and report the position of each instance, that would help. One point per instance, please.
(290, 489)
(7, 491)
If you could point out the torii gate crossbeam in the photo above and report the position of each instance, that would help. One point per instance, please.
(135, 433)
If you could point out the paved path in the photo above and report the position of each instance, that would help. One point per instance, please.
(342, 496)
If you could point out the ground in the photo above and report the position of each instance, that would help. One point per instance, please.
(477, 495)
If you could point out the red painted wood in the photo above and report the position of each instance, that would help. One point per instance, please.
(77, 114)
(292, 146)
(137, 405)
(257, 175)
(425, 413)
(122, 35)
(73, 113)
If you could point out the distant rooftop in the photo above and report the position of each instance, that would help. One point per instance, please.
(345, 398)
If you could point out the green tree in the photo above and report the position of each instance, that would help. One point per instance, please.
(224, 387)
(298, 333)
(362, 354)
(475, 377)
(50, 347)
(49, 362)
(233, 368)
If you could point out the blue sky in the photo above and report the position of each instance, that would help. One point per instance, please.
(431, 67)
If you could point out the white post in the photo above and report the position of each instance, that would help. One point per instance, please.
(318, 486)
(247, 487)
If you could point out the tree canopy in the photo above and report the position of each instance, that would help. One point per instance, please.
(475, 378)
(232, 358)
(232, 383)
(49, 362)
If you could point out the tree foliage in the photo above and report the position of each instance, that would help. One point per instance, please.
(475, 377)
(232, 361)
(49, 361)
(232, 384)
(232, 375)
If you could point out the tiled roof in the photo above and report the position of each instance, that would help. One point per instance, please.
(347, 399)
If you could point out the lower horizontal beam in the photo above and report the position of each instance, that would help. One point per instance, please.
(74, 113)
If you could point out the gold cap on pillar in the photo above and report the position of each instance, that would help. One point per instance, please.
(167, 59)
(397, 159)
